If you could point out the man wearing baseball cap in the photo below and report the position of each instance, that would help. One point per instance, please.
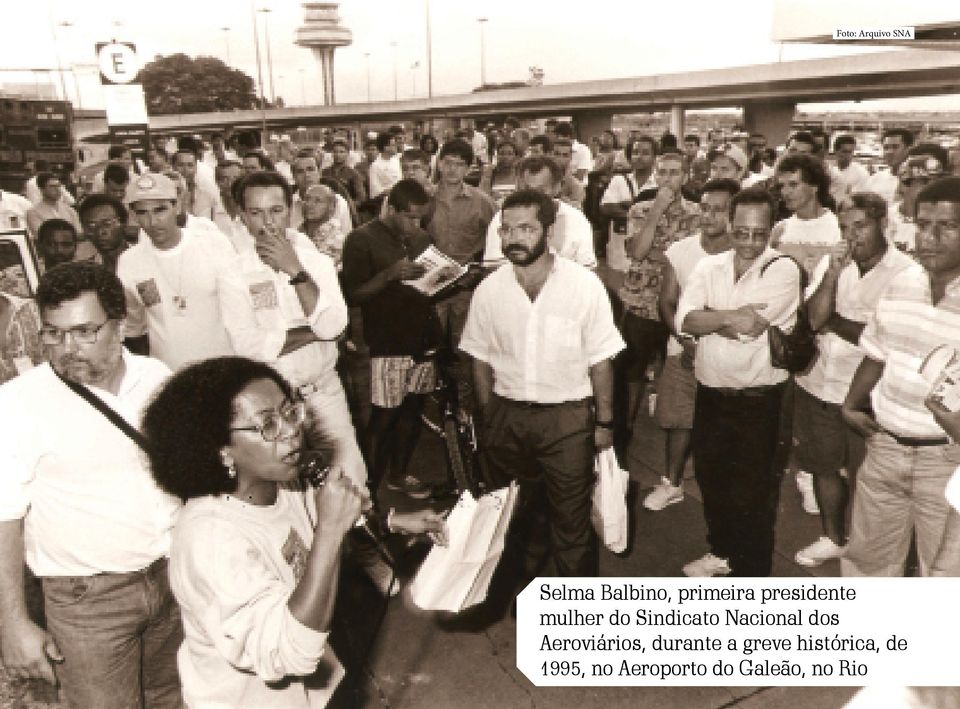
(728, 162)
(184, 292)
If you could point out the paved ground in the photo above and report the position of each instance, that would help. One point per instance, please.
(415, 663)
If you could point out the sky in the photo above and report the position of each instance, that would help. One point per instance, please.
(570, 41)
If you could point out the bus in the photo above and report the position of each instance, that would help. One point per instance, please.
(34, 129)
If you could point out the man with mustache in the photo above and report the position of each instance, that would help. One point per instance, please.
(541, 333)
(81, 508)
(839, 307)
(910, 458)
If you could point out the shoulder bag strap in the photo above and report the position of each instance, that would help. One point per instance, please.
(111, 415)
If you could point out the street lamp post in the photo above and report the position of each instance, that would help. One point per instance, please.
(256, 46)
(394, 45)
(56, 49)
(303, 90)
(429, 55)
(367, 55)
(266, 40)
(483, 51)
(66, 24)
(413, 74)
(226, 40)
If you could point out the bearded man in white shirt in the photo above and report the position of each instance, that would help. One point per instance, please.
(541, 332)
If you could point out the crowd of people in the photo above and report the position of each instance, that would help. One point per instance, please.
(204, 303)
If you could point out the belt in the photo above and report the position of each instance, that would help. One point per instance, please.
(538, 405)
(916, 442)
(744, 392)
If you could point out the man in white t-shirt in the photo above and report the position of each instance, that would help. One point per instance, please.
(676, 386)
(385, 171)
(621, 193)
(582, 159)
(184, 290)
(571, 236)
(896, 142)
(849, 176)
(79, 506)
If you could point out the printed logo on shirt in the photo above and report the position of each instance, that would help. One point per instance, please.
(295, 554)
(149, 293)
(264, 295)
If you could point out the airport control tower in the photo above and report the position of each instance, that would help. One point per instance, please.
(323, 33)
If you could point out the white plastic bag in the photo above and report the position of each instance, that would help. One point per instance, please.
(609, 510)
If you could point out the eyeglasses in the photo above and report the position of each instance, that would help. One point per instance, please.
(524, 230)
(82, 335)
(271, 424)
(104, 225)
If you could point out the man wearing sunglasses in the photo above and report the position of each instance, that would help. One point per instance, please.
(81, 509)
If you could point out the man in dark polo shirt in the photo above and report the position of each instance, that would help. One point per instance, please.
(399, 323)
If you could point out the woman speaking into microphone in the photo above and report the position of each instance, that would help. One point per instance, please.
(256, 553)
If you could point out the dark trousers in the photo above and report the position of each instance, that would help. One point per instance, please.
(734, 444)
(550, 451)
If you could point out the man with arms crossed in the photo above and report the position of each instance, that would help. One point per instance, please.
(729, 302)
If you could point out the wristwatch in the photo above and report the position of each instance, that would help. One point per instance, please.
(604, 424)
(299, 277)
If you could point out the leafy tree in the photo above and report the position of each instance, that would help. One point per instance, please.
(182, 84)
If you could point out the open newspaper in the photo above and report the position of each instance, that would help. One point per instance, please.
(441, 271)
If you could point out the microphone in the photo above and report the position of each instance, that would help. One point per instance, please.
(314, 471)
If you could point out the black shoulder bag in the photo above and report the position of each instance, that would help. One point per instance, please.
(111, 415)
(793, 351)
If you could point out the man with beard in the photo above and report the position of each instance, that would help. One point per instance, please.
(729, 301)
(541, 333)
(900, 486)
(80, 507)
(839, 307)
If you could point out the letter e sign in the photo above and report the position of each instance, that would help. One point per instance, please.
(118, 62)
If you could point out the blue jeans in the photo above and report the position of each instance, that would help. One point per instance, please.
(119, 635)
(899, 494)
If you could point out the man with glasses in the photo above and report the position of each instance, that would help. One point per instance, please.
(542, 336)
(729, 302)
(104, 219)
(900, 486)
(81, 508)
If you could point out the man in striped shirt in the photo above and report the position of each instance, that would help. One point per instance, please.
(900, 487)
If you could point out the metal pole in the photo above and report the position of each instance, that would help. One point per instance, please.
(483, 51)
(66, 24)
(266, 39)
(303, 90)
(226, 40)
(263, 101)
(367, 55)
(429, 56)
(56, 50)
(394, 45)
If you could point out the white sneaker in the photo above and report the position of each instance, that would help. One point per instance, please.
(805, 486)
(662, 495)
(824, 549)
(707, 565)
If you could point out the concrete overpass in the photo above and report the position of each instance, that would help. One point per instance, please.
(768, 94)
